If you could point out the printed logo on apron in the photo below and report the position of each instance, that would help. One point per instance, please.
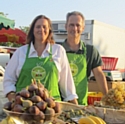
(38, 72)
(74, 68)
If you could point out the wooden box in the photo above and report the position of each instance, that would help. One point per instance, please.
(93, 86)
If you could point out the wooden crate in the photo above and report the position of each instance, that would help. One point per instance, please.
(93, 86)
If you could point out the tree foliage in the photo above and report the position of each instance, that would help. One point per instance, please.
(2, 13)
(24, 29)
(10, 44)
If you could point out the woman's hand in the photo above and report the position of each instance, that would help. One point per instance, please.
(74, 101)
(11, 96)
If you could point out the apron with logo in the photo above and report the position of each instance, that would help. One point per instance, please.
(78, 67)
(43, 69)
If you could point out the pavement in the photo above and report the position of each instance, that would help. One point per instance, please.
(2, 116)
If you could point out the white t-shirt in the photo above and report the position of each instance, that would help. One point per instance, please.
(65, 79)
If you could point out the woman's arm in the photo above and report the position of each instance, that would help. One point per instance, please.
(66, 82)
(10, 77)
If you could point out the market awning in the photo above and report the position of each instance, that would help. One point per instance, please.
(6, 22)
(12, 35)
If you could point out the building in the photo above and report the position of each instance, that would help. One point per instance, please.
(108, 39)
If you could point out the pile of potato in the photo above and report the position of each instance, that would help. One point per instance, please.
(34, 103)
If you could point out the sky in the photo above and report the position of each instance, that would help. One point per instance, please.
(24, 11)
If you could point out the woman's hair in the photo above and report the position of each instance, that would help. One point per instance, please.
(30, 35)
(75, 13)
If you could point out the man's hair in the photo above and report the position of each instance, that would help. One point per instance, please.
(75, 13)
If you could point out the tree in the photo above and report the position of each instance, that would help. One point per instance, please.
(3, 14)
(24, 29)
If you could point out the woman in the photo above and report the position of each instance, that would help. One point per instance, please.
(40, 59)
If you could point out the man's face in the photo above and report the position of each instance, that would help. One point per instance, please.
(74, 26)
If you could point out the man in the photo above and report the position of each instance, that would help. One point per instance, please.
(82, 58)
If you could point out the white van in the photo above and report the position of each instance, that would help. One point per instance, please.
(4, 59)
(5, 54)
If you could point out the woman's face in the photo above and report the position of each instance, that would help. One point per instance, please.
(41, 30)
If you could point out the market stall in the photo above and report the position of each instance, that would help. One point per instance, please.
(6, 22)
(34, 105)
(12, 35)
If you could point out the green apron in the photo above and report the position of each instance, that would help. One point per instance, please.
(43, 69)
(78, 67)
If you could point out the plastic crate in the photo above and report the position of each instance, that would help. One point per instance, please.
(94, 96)
(109, 63)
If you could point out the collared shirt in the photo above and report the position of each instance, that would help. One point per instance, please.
(93, 57)
(65, 79)
(68, 50)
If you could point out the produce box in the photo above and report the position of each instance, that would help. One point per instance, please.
(77, 114)
(93, 86)
(109, 115)
(94, 96)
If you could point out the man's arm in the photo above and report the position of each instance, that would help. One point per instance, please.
(100, 79)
